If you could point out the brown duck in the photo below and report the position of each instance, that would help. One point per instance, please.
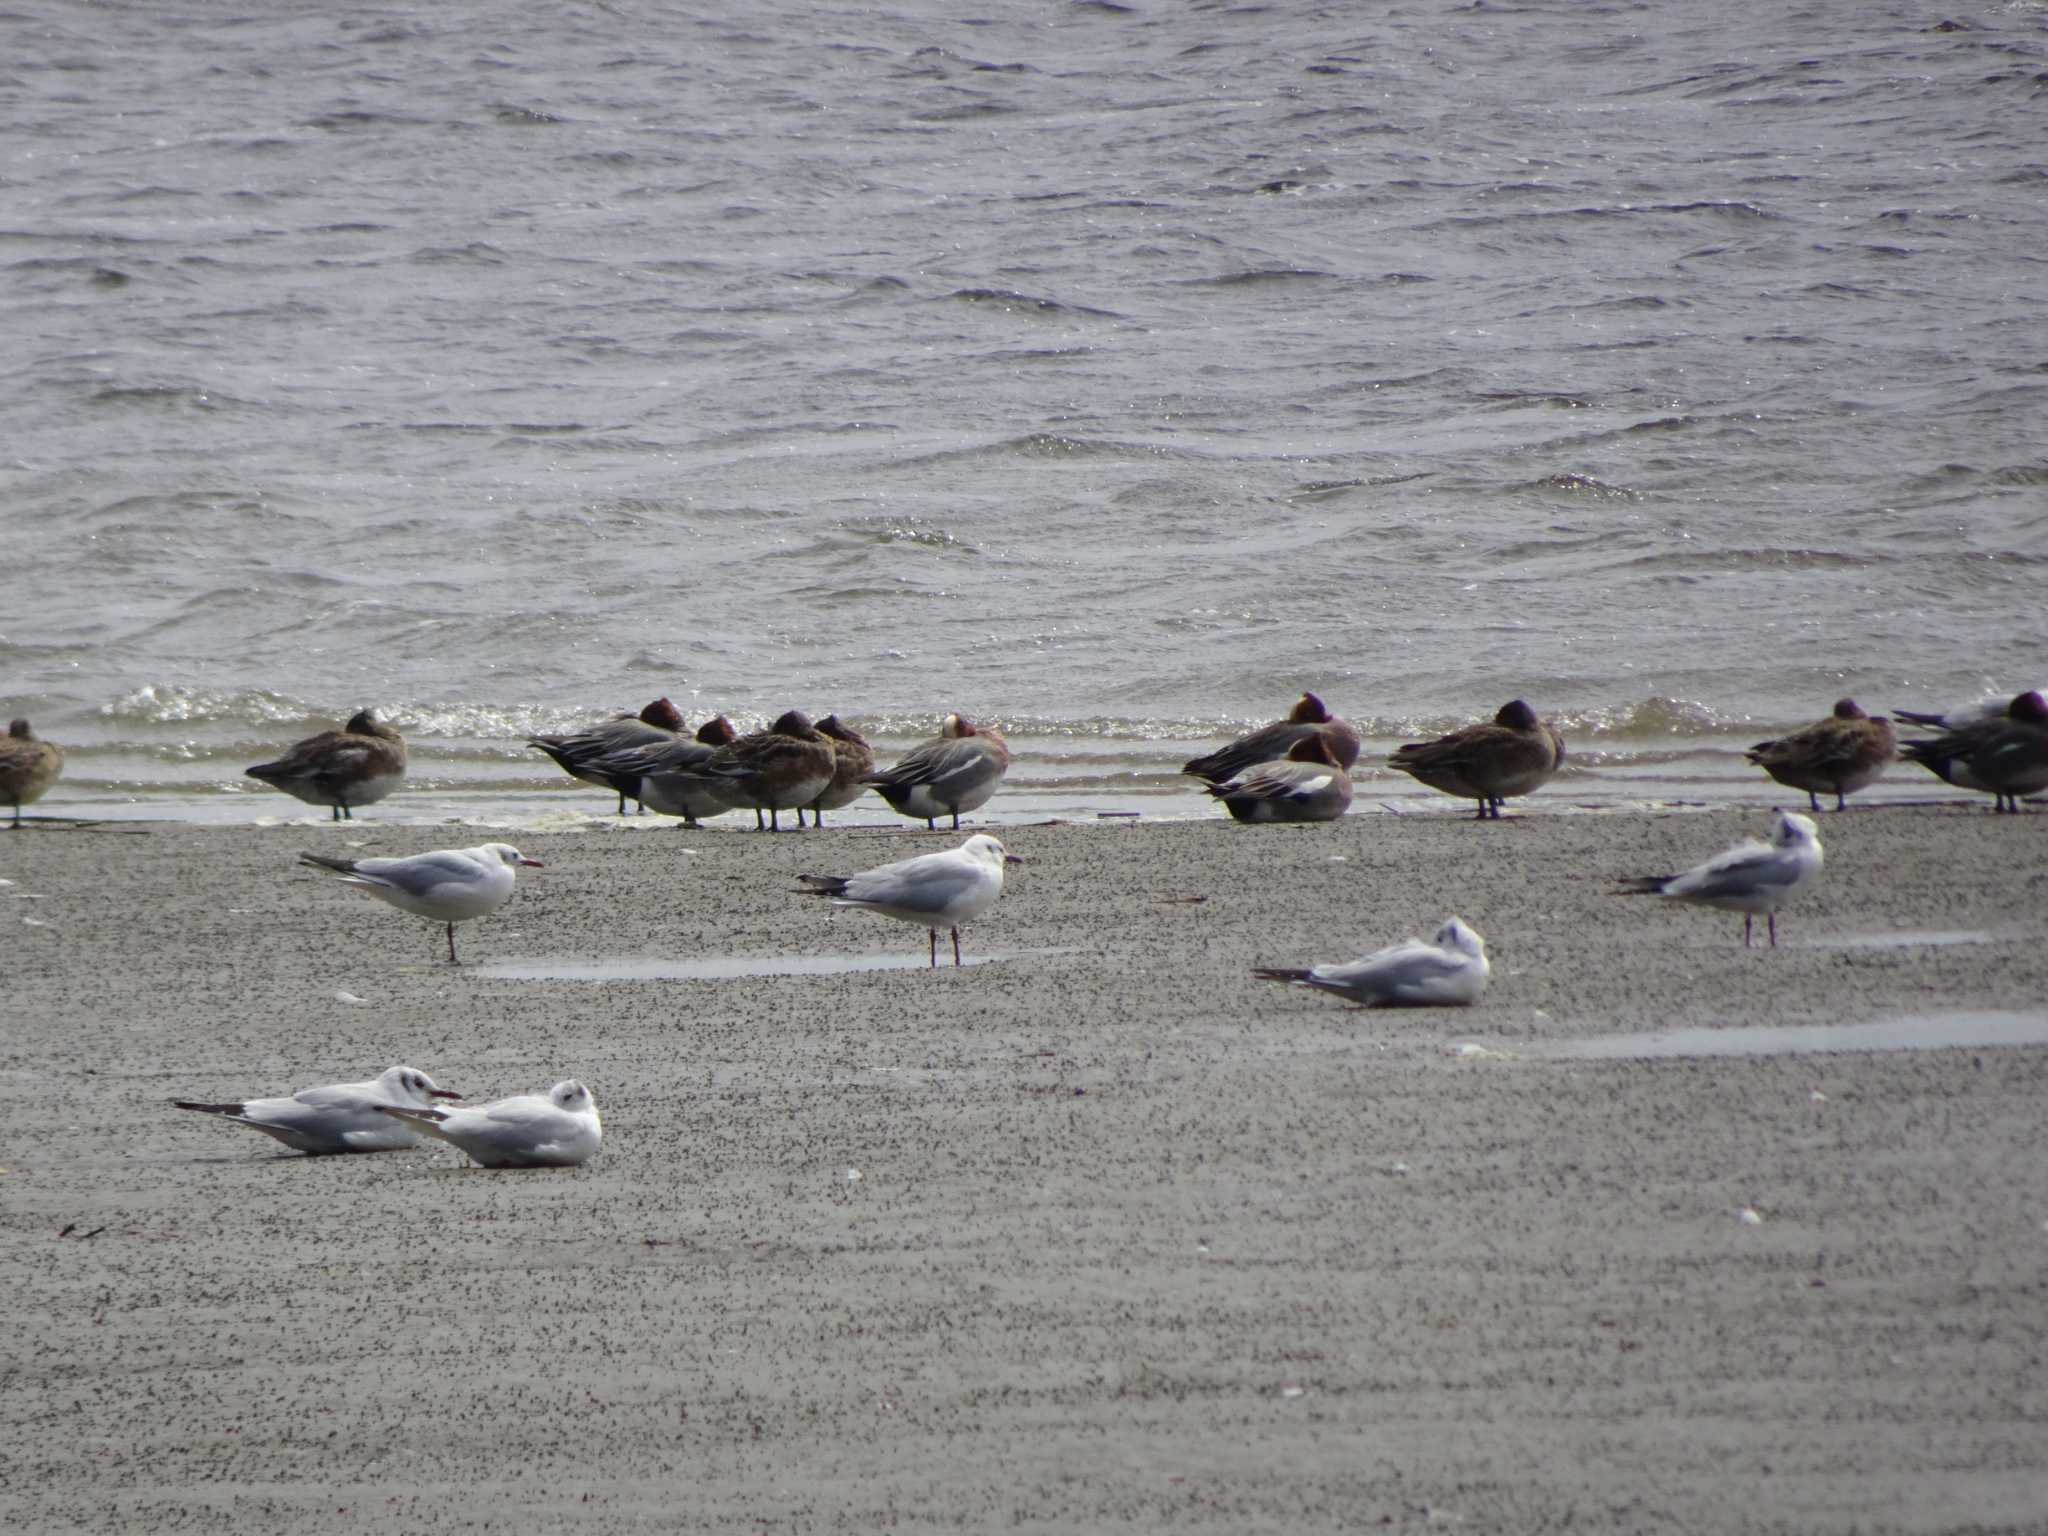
(1836, 756)
(1489, 763)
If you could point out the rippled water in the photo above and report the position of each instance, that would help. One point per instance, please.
(1109, 370)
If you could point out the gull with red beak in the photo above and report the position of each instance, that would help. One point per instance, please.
(342, 1117)
(450, 885)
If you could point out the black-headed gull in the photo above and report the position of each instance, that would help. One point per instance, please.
(575, 751)
(1749, 878)
(28, 766)
(1450, 968)
(357, 765)
(957, 770)
(2005, 755)
(1836, 756)
(1512, 754)
(343, 1117)
(1308, 784)
(556, 1129)
(1270, 743)
(450, 885)
(934, 890)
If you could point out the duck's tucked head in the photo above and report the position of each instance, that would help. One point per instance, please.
(1849, 709)
(1310, 710)
(20, 731)
(364, 722)
(830, 726)
(663, 714)
(1516, 715)
(794, 722)
(1314, 748)
(717, 732)
(2029, 706)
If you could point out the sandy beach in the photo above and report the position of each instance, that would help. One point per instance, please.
(1100, 1234)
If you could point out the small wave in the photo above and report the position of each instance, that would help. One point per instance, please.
(1654, 716)
(476, 253)
(1009, 300)
(171, 704)
(1577, 485)
(347, 122)
(886, 530)
(1262, 276)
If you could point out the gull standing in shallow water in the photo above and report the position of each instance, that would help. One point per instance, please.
(1309, 784)
(1749, 878)
(450, 885)
(1836, 756)
(957, 770)
(343, 1117)
(28, 766)
(935, 890)
(1450, 968)
(1271, 743)
(556, 1129)
(1491, 762)
(357, 765)
(2003, 754)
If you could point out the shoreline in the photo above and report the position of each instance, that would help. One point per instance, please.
(1136, 1238)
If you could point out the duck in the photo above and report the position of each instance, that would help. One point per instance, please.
(29, 765)
(780, 769)
(2005, 756)
(1270, 743)
(577, 752)
(853, 761)
(1846, 752)
(957, 770)
(357, 765)
(1491, 762)
(1308, 784)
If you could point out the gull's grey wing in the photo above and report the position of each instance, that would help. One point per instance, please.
(1738, 872)
(928, 884)
(1401, 964)
(422, 873)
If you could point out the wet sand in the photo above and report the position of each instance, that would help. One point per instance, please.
(1104, 1235)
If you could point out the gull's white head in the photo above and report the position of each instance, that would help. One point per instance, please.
(412, 1087)
(1793, 830)
(989, 850)
(572, 1097)
(1456, 935)
(507, 854)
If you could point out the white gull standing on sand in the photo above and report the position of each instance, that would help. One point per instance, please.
(936, 890)
(556, 1129)
(1450, 968)
(450, 885)
(343, 1117)
(1749, 878)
